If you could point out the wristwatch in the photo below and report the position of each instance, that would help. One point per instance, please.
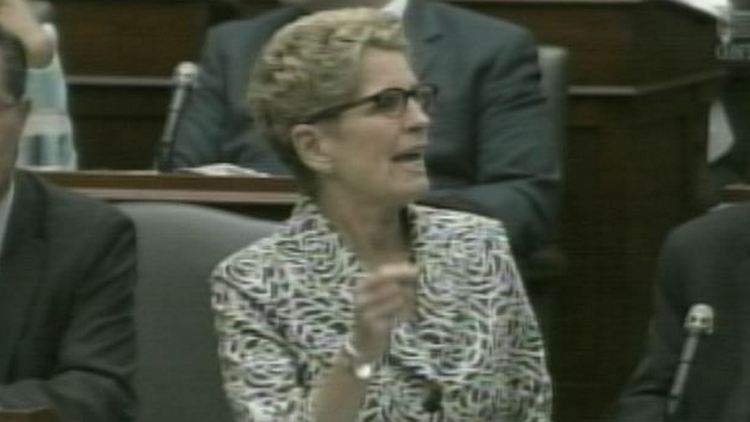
(361, 370)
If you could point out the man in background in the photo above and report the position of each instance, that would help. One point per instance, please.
(491, 148)
(67, 271)
(706, 261)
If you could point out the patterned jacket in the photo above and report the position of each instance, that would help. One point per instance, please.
(284, 307)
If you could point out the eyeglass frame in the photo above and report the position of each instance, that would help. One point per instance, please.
(406, 94)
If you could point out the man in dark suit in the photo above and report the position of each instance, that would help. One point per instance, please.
(491, 146)
(705, 261)
(67, 272)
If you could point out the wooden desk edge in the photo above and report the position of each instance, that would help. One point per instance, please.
(736, 192)
(139, 186)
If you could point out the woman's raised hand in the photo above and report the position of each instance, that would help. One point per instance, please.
(379, 301)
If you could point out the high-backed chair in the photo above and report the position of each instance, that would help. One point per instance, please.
(553, 62)
(178, 377)
(544, 271)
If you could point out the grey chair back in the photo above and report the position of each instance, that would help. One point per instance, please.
(553, 62)
(178, 377)
(544, 272)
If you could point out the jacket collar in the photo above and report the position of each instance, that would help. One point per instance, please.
(21, 265)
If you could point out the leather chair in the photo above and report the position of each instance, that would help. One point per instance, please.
(178, 378)
(544, 272)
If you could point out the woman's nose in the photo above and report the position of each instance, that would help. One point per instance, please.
(415, 116)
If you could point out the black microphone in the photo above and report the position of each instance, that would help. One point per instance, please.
(698, 322)
(185, 79)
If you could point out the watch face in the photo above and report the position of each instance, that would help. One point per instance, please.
(363, 371)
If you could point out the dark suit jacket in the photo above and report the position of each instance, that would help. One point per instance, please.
(491, 144)
(704, 261)
(67, 274)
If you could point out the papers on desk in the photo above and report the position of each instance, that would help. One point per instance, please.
(717, 9)
(222, 169)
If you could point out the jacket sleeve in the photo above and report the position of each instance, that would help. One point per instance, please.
(260, 372)
(96, 359)
(518, 171)
(517, 341)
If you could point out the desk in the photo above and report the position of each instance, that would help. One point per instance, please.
(263, 197)
(31, 415)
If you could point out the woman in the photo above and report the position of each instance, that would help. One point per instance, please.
(365, 307)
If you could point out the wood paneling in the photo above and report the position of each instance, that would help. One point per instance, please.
(118, 120)
(129, 38)
(120, 55)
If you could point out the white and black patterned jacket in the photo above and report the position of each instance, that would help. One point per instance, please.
(284, 307)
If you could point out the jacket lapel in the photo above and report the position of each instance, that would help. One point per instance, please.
(424, 34)
(21, 267)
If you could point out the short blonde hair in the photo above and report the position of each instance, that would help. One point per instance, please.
(311, 64)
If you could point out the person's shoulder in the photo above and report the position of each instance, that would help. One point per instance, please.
(62, 205)
(260, 253)
(78, 228)
(254, 269)
(460, 223)
(725, 228)
(457, 19)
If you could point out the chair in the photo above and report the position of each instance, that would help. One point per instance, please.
(544, 271)
(553, 62)
(178, 377)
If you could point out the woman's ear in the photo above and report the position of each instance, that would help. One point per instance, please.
(312, 147)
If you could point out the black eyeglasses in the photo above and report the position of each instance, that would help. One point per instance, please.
(390, 102)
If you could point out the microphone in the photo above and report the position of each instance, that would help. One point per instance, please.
(698, 322)
(185, 79)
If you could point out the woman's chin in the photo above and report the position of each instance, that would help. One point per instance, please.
(411, 191)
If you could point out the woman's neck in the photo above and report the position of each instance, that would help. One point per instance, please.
(375, 232)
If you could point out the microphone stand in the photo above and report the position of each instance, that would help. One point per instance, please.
(185, 77)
